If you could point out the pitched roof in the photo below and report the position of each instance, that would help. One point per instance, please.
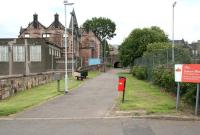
(56, 23)
(35, 23)
(73, 17)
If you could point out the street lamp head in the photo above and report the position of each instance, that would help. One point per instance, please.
(174, 4)
(67, 3)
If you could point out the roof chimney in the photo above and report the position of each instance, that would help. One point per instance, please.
(35, 17)
(35, 21)
(56, 20)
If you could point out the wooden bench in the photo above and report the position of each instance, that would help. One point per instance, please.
(78, 75)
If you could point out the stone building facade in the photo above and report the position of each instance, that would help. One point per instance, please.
(84, 45)
(35, 29)
(54, 33)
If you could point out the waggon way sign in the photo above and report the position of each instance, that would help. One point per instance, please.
(187, 73)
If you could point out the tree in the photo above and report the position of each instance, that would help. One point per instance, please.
(103, 28)
(158, 46)
(136, 43)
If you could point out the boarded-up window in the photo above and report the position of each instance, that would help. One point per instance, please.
(3, 53)
(18, 53)
(35, 53)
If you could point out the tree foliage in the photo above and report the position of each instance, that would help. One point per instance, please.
(103, 28)
(105, 48)
(136, 43)
(158, 46)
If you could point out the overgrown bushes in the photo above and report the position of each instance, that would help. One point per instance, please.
(164, 77)
(140, 72)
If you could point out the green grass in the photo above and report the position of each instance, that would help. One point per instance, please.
(141, 95)
(36, 95)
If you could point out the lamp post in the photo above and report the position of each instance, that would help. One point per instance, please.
(104, 55)
(174, 4)
(72, 43)
(66, 3)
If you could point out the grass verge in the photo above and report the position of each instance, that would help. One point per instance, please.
(144, 96)
(36, 95)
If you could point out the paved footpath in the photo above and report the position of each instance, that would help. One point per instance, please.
(84, 112)
(92, 99)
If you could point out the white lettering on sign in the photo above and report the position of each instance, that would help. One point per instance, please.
(187, 73)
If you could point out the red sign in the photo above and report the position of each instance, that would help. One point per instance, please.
(191, 73)
(187, 73)
(121, 83)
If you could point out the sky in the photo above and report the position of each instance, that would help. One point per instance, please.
(127, 15)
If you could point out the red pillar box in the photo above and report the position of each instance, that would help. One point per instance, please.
(121, 83)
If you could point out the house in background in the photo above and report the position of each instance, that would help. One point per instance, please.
(84, 44)
(49, 42)
(195, 51)
(55, 34)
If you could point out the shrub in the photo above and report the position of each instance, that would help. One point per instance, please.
(188, 92)
(134, 69)
(140, 72)
(157, 73)
(164, 77)
(167, 80)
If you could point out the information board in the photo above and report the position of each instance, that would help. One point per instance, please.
(187, 73)
(94, 61)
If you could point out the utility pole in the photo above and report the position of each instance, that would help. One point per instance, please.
(66, 76)
(72, 43)
(173, 6)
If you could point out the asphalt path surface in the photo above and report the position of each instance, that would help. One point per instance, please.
(85, 111)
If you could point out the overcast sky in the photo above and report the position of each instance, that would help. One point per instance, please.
(127, 14)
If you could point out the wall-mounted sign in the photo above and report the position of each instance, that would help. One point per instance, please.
(187, 73)
(94, 61)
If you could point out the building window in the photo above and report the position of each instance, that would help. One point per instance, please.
(3, 53)
(49, 51)
(52, 51)
(58, 53)
(48, 35)
(27, 35)
(45, 35)
(18, 53)
(35, 53)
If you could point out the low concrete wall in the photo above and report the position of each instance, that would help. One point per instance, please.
(10, 85)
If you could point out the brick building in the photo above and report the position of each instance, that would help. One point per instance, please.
(84, 44)
(89, 47)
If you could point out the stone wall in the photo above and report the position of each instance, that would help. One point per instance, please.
(10, 85)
